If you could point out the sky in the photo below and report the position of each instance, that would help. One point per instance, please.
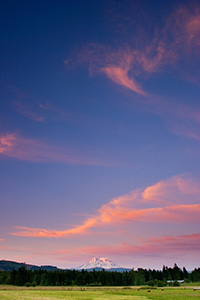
(100, 132)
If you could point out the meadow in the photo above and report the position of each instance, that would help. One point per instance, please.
(100, 293)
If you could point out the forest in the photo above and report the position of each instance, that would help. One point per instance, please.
(166, 276)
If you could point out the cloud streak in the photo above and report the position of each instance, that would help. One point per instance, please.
(184, 25)
(165, 245)
(179, 36)
(137, 59)
(121, 77)
(15, 146)
(168, 201)
(29, 113)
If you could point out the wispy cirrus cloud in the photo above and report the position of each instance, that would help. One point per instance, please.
(33, 108)
(174, 200)
(134, 60)
(25, 107)
(188, 130)
(184, 26)
(41, 232)
(15, 146)
(116, 65)
(43, 112)
(173, 213)
(171, 248)
(28, 112)
(176, 245)
(2, 247)
(121, 77)
(125, 66)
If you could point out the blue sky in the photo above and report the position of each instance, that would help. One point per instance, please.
(99, 132)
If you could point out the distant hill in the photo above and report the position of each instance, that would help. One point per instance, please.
(6, 265)
(97, 264)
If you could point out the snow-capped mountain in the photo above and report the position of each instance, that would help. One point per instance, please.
(99, 263)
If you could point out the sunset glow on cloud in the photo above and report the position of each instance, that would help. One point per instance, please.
(180, 34)
(15, 146)
(120, 76)
(164, 196)
(100, 132)
(163, 245)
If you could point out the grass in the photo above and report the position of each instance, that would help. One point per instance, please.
(191, 284)
(101, 293)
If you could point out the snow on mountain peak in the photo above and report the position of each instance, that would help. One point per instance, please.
(104, 259)
(102, 262)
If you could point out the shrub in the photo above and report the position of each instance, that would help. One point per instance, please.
(150, 283)
(34, 283)
(176, 283)
(27, 284)
(160, 283)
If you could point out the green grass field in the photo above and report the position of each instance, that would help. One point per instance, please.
(68, 293)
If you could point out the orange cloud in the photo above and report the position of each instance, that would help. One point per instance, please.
(164, 190)
(40, 232)
(175, 213)
(128, 208)
(15, 146)
(171, 213)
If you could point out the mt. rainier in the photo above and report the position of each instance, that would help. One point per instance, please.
(101, 263)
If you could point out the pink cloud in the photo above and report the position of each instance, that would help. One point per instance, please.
(40, 232)
(169, 247)
(55, 113)
(126, 66)
(3, 247)
(6, 143)
(184, 24)
(164, 190)
(188, 129)
(173, 213)
(166, 245)
(176, 213)
(117, 65)
(168, 201)
(34, 109)
(133, 62)
(120, 76)
(181, 119)
(15, 146)
(28, 112)
(43, 112)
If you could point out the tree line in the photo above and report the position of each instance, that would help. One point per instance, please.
(24, 277)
